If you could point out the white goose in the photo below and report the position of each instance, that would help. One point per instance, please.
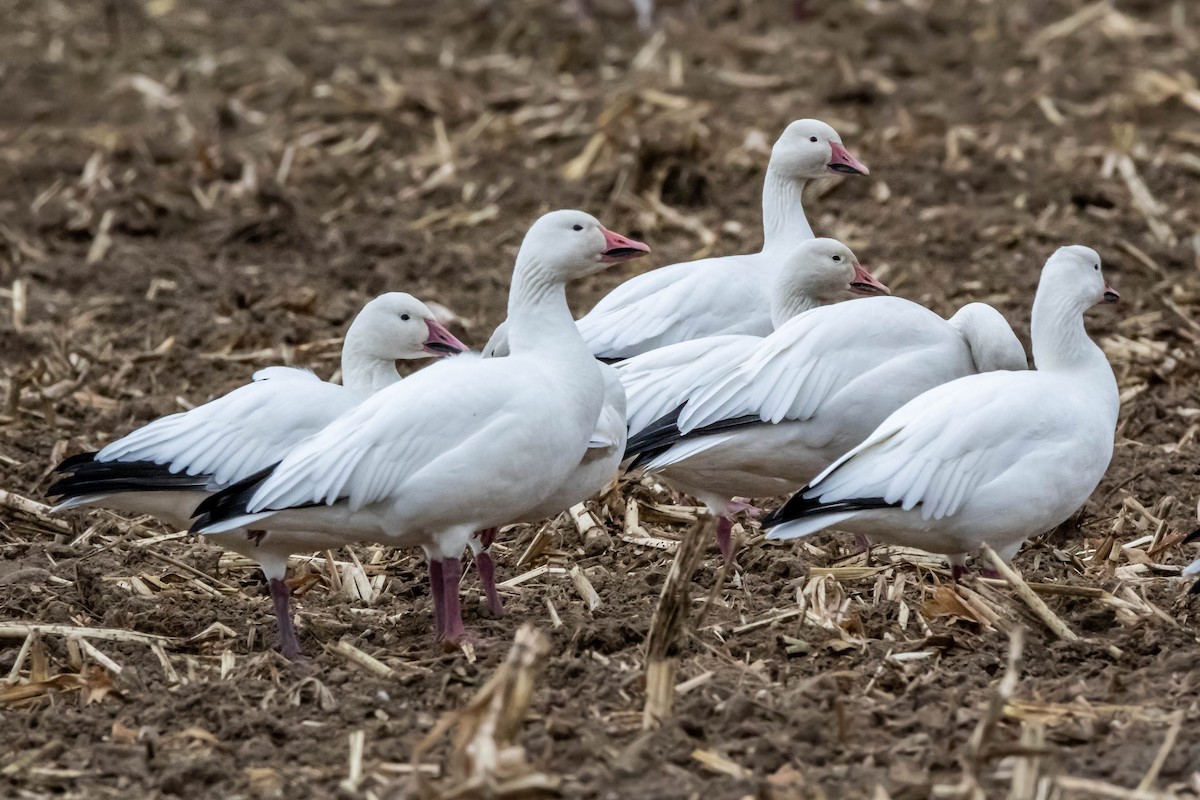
(786, 408)
(993, 458)
(715, 296)
(167, 467)
(466, 445)
(816, 273)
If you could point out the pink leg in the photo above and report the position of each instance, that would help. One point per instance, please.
(487, 577)
(957, 571)
(281, 595)
(864, 543)
(437, 592)
(990, 573)
(454, 630)
(725, 538)
(486, 537)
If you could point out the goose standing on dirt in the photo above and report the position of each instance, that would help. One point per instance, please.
(465, 445)
(992, 458)
(785, 408)
(725, 295)
(167, 467)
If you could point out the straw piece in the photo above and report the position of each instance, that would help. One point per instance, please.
(20, 631)
(1039, 608)
(674, 603)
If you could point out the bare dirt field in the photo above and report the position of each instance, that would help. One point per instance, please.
(192, 190)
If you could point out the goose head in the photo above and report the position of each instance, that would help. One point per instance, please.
(399, 326)
(1073, 274)
(826, 270)
(818, 272)
(570, 244)
(809, 148)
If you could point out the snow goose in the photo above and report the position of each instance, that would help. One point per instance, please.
(465, 445)
(590, 476)
(996, 457)
(725, 295)
(167, 467)
(786, 408)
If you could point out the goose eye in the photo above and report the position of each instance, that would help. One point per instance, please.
(1096, 267)
(405, 317)
(812, 138)
(576, 227)
(837, 258)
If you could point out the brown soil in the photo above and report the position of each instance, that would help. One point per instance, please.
(185, 183)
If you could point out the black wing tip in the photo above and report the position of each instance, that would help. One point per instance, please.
(798, 507)
(85, 477)
(1194, 536)
(655, 438)
(1195, 588)
(230, 501)
(72, 463)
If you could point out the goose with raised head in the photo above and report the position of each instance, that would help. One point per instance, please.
(465, 445)
(991, 458)
(722, 295)
(783, 411)
(167, 467)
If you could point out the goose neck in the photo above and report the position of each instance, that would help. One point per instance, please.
(363, 372)
(784, 222)
(1060, 340)
(538, 316)
(788, 302)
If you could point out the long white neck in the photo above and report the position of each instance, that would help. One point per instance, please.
(363, 372)
(539, 319)
(789, 300)
(784, 223)
(1061, 343)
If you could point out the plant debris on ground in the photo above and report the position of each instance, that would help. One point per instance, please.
(191, 191)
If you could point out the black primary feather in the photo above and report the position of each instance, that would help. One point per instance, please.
(798, 506)
(86, 476)
(71, 463)
(663, 433)
(230, 501)
(1194, 536)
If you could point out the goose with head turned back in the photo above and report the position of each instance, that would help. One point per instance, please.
(465, 445)
(784, 410)
(724, 295)
(167, 467)
(992, 458)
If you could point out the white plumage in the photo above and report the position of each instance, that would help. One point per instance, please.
(725, 295)
(993, 458)
(779, 410)
(468, 444)
(166, 468)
